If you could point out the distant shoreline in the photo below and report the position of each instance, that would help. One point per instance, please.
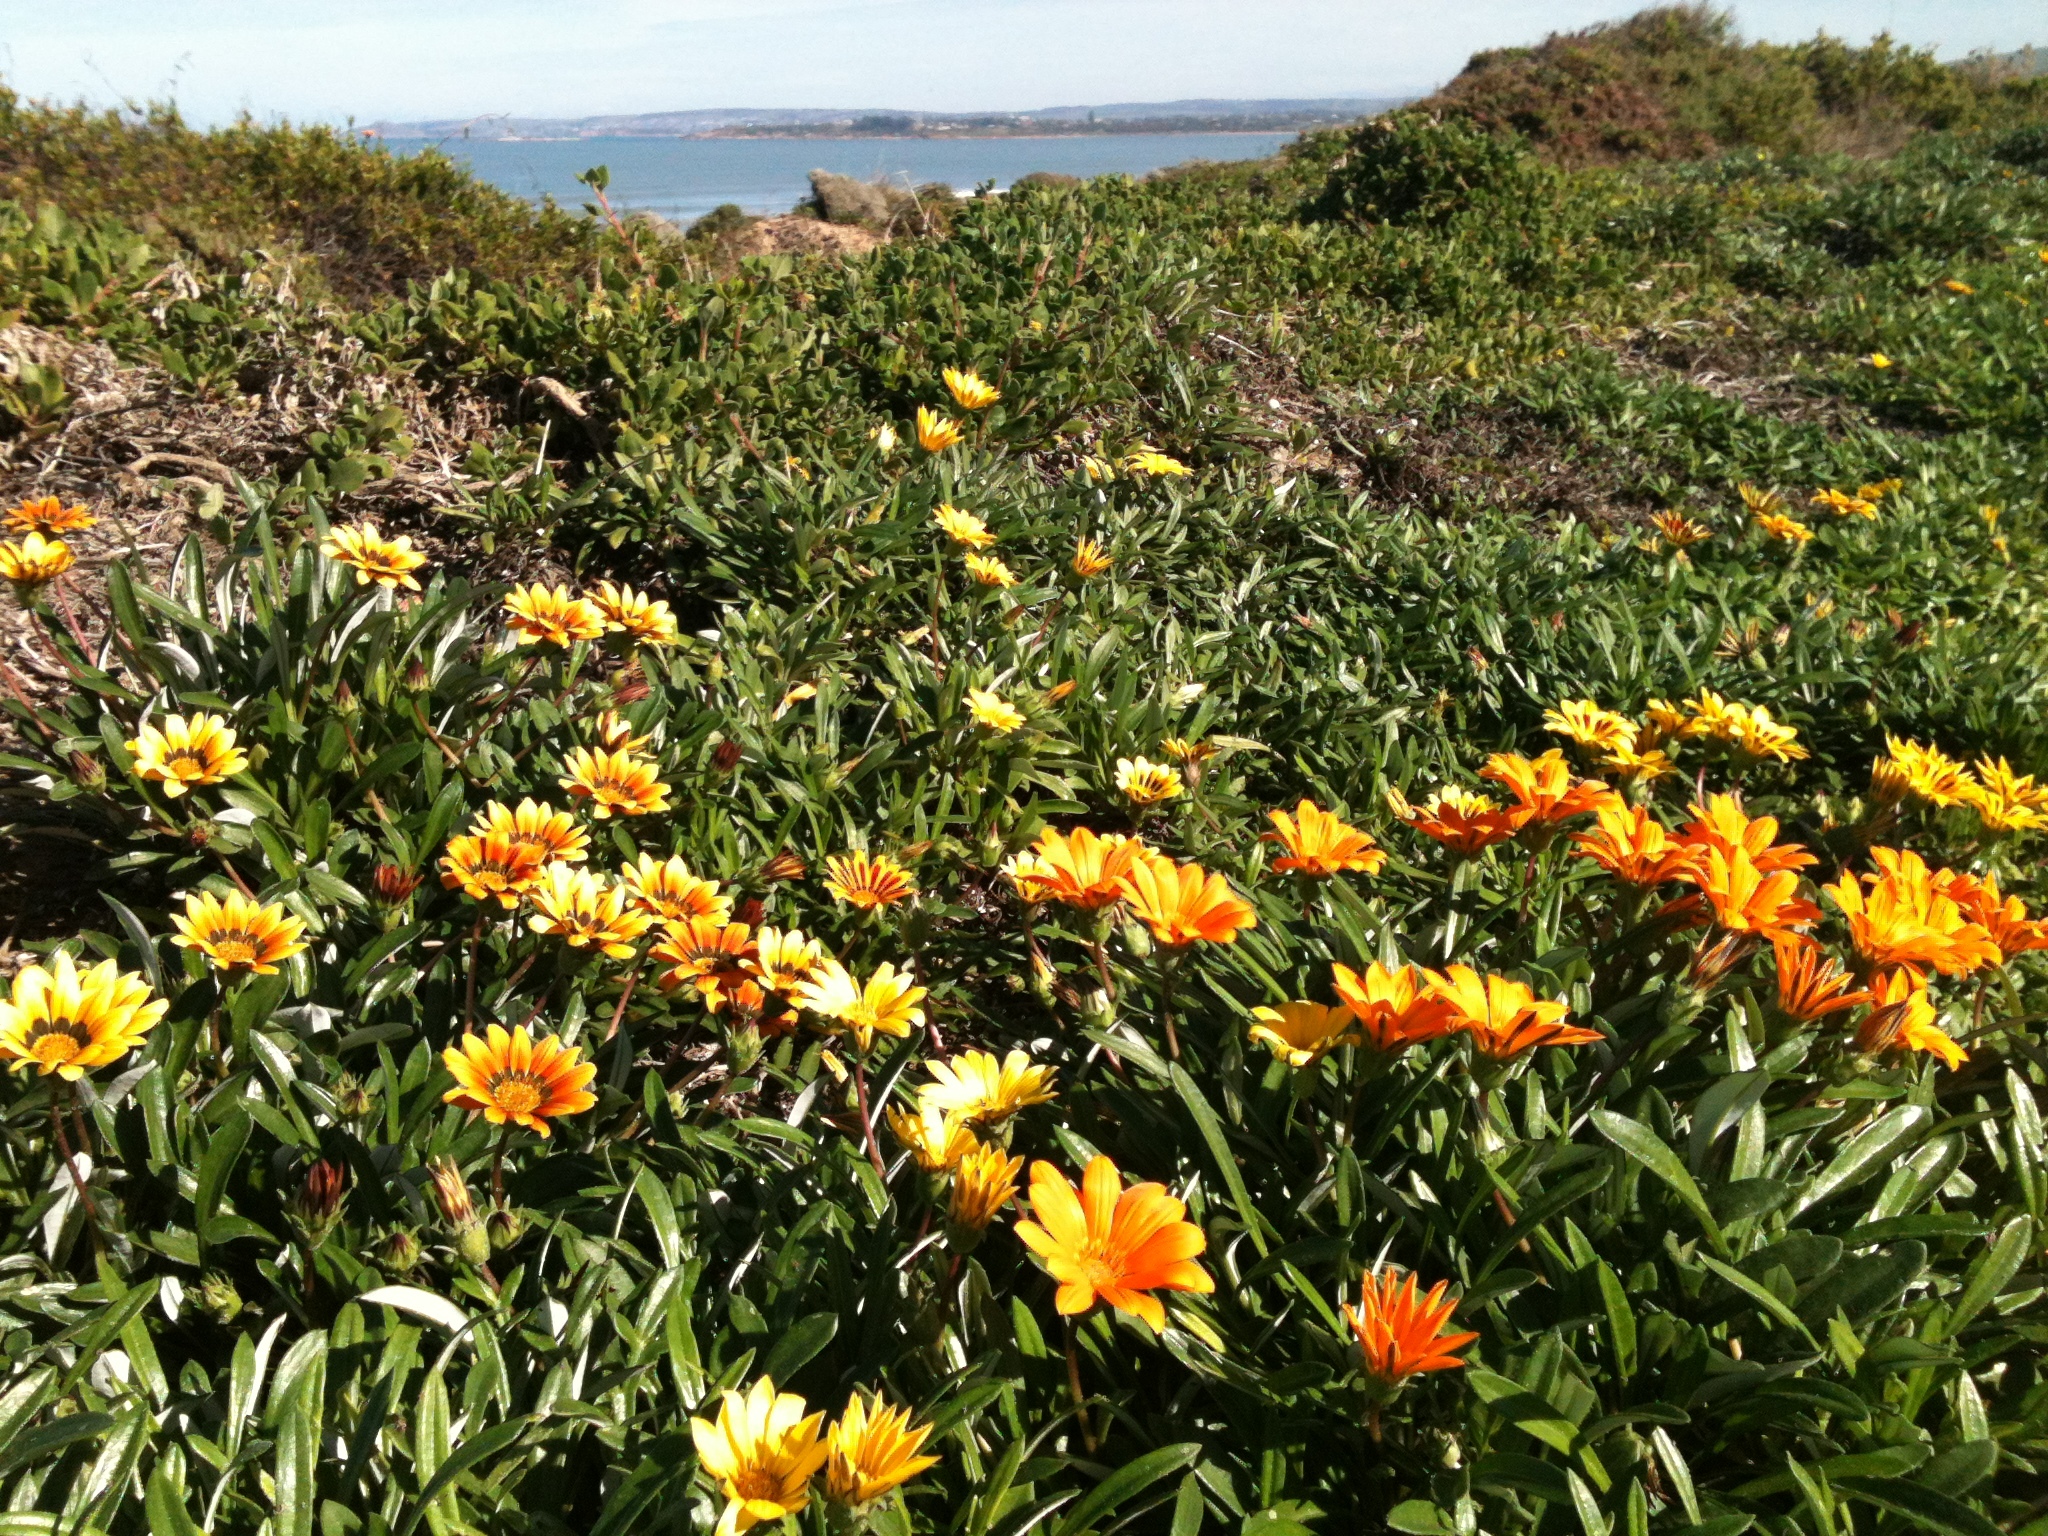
(833, 138)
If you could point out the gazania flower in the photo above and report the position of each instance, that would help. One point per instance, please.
(1931, 773)
(1906, 918)
(1786, 530)
(667, 889)
(1144, 782)
(615, 733)
(1590, 726)
(61, 1020)
(390, 563)
(1545, 793)
(1878, 360)
(614, 781)
(1077, 868)
(762, 1452)
(2006, 801)
(646, 619)
(1843, 504)
(886, 1003)
(963, 527)
(1957, 285)
(1193, 753)
(1182, 903)
(1112, 1244)
(552, 834)
(984, 1181)
(1464, 822)
(34, 562)
(48, 516)
(1754, 734)
(1680, 531)
(1319, 845)
(238, 935)
(571, 904)
(549, 615)
(1400, 1334)
(1760, 503)
(872, 1450)
(183, 754)
(1747, 900)
(2003, 917)
(988, 571)
(1636, 848)
(1148, 461)
(1879, 489)
(1722, 823)
(1902, 1018)
(884, 439)
(1302, 1034)
(1097, 470)
(1810, 985)
(703, 953)
(975, 1086)
(935, 433)
(868, 881)
(1090, 558)
(1664, 721)
(1392, 1009)
(518, 1080)
(1503, 1017)
(968, 390)
(1639, 763)
(784, 959)
(491, 867)
(993, 712)
(936, 1140)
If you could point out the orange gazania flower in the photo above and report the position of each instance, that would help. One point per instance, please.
(491, 866)
(1394, 1009)
(1722, 823)
(668, 889)
(1182, 903)
(1544, 791)
(1464, 822)
(614, 781)
(549, 615)
(1319, 845)
(704, 953)
(1112, 1244)
(1401, 1335)
(1503, 1016)
(1077, 868)
(48, 516)
(1810, 985)
(552, 834)
(1902, 1018)
(1907, 919)
(1636, 848)
(1680, 531)
(935, 433)
(1091, 558)
(575, 906)
(868, 881)
(389, 563)
(238, 934)
(1747, 900)
(2003, 917)
(513, 1078)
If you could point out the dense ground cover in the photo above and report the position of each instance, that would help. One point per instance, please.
(1325, 480)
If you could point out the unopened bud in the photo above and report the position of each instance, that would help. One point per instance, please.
(506, 1226)
(750, 911)
(216, 1296)
(743, 1048)
(317, 1206)
(352, 1098)
(784, 866)
(89, 772)
(416, 678)
(399, 1253)
(394, 884)
(726, 755)
(451, 1194)
(345, 702)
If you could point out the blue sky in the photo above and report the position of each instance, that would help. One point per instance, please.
(455, 58)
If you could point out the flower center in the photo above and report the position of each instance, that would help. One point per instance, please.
(757, 1483)
(183, 760)
(234, 947)
(516, 1093)
(1102, 1272)
(54, 1042)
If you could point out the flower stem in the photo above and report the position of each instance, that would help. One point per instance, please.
(1166, 973)
(476, 933)
(1074, 1386)
(867, 1119)
(92, 1215)
(498, 1167)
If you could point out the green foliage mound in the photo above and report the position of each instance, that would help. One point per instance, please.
(1410, 168)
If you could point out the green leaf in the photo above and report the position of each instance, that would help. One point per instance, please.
(1866, 1152)
(1124, 1484)
(498, 1438)
(1771, 1305)
(223, 1148)
(1522, 1408)
(1987, 1277)
(799, 1344)
(1643, 1144)
(1219, 1149)
(1923, 1506)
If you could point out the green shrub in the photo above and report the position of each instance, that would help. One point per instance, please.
(1409, 168)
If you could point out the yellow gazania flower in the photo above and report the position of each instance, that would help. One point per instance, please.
(1878, 360)
(34, 562)
(518, 1080)
(237, 934)
(1076, 868)
(1843, 503)
(969, 391)
(935, 433)
(1760, 503)
(1647, 765)
(549, 615)
(2006, 801)
(1302, 1034)
(1586, 723)
(183, 754)
(975, 1086)
(647, 619)
(615, 733)
(868, 881)
(387, 562)
(799, 694)
(984, 1181)
(59, 1019)
(553, 835)
(669, 890)
(993, 712)
(1786, 530)
(1902, 1018)
(1877, 490)
(990, 571)
(1753, 733)
(48, 516)
(492, 867)
(1957, 285)
(1680, 531)
(1181, 750)
(1931, 773)
(762, 1453)
(571, 904)
(937, 1141)
(1097, 470)
(1149, 461)
(872, 1450)
(1144, 782)
(784, 960)
(962, 527)
(885, 1003)
(614, 781)
(1091, 558)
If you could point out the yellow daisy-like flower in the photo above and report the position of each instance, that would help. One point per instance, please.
(969, 391)
(762, 1453)
(935, 433)
(1680, 531)
(868, 881)
(670, 890)
(1786, 530)
(47, 515)
(184, 754)
(615, 733)
(936, 1140)
(1144, 782)
(984, 1181)
(1302, 1034)
(975, 1086)
(492, 867)
(884, 438)
(614, 781)
(517, 1080)
(1097, 470)
(1931, 773)
(1878, 360)
(238, 935)
(1091, 558)
(1760, 503)
(784, 960)
(1957, 285)
(64, 1021)
(873, 1450)
(571, 904)
(646, 619)
(962, 527)
(990, 571)
(1844, 504)
(1596, 729)
(387, 562)
(35, 562)
(553, 835)
(993, 712)
(1149, 461)
(539, 615)
(885, 1003)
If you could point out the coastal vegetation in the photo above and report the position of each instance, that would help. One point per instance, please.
(1349, 843)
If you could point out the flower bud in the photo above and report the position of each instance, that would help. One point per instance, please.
(316, 1208)
(472, 1242)
(416, 678)
(750, 912)
(784, 866)
(506, 1226)
(352, 1097)
(393, 884)
(743, 1048)
(216, 1296)
(629, 686)
(399, 1253)
(89, 772)
(726, 755)
(346, 704)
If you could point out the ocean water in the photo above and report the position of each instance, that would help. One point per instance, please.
(683, 179)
